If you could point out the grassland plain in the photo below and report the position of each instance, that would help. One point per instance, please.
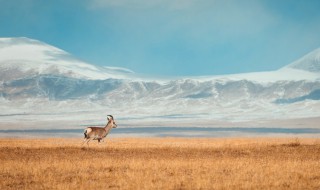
(160, 163)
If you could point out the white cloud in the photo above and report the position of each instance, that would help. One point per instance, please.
(225, 17)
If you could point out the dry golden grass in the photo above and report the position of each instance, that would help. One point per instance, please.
(160, 163)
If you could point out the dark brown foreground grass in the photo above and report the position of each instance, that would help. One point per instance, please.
(160, 163)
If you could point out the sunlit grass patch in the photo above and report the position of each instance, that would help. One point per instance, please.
(160, 163)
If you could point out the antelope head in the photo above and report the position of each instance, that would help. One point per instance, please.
(110, 119)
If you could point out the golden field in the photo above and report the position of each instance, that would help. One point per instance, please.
(160, 163)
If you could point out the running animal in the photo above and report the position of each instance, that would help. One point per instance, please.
(99, 133)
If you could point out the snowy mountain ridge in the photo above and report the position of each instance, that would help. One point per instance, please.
(38, 78)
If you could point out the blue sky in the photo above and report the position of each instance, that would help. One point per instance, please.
(171, 37)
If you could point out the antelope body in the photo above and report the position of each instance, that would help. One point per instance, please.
(99, 133)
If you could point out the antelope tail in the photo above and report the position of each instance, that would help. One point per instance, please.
(85, 133)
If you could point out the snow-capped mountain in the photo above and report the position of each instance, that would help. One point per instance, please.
(23, 57)
(309, 62)
(38, 78)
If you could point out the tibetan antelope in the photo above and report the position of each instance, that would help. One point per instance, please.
(99, 133)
